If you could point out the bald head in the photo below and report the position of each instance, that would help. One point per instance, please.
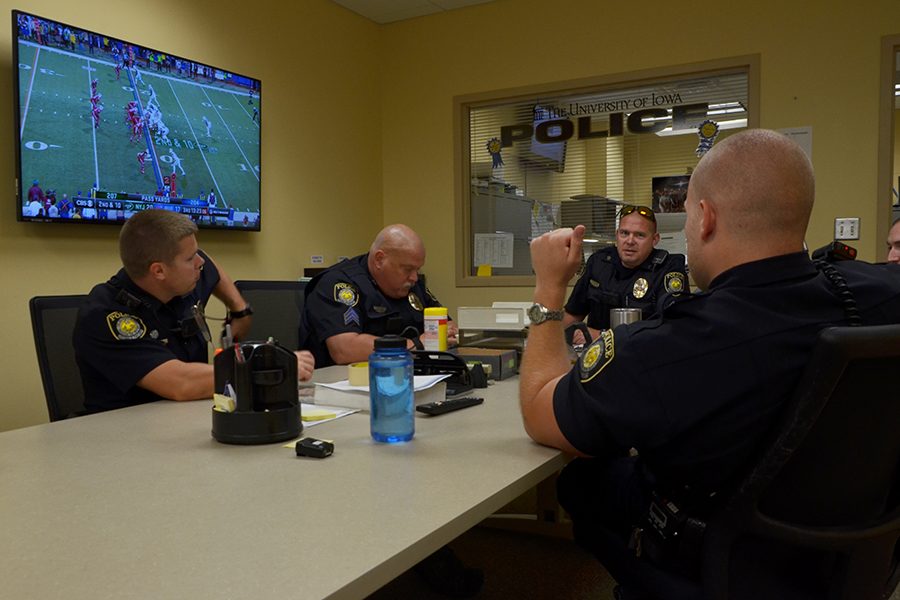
(751, 197)
(397, 237)
(761, 182)
(395, 258)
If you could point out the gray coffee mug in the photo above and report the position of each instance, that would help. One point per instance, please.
(618, 316)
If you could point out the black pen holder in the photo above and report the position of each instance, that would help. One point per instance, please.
(262, 377)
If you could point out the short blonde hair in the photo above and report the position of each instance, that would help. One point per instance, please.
(152, 236)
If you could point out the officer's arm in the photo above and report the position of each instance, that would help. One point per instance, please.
(228, 293)
(544, 363)
(350, 347)
(179, 380)
(555, 257)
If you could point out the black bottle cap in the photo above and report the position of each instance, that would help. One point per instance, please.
(390, 341)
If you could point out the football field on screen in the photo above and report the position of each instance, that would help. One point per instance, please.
(64, 151)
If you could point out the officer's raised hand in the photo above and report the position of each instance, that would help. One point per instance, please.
(556, 256)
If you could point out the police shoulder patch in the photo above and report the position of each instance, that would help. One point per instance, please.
(675, 282)
(346, 294)
(124, 326)
(597, 355)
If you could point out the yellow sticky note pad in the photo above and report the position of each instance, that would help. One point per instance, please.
(316, 414)
(223, 403)
(484, 271)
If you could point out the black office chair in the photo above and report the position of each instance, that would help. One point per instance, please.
(277, 306)
(818, 516)
(53, 320)
(829, 484)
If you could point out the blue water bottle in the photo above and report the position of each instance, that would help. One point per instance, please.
(391, 391)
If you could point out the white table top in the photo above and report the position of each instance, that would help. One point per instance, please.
(143, 503)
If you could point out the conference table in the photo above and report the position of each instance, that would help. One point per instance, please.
(142, 502)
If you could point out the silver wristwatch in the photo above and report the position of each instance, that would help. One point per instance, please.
(538, 313)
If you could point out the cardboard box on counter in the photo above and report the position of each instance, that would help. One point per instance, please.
(503, 363)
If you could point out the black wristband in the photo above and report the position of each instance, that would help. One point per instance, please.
(240, 314)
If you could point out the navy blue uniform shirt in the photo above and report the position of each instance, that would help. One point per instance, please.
(345, 299)
(696, 389)
(122, 333)
(606, 283)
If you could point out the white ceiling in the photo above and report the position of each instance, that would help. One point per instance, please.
(388, 11)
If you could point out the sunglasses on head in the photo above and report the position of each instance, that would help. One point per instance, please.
(645, 212)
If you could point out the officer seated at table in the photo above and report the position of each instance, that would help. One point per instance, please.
(893, 243)
(142, 336)
(351, 303)
(697, 388)
(633, 274)
(359, 299)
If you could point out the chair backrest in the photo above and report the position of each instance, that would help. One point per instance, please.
(277, 307)
(53, 321)
(830, 478)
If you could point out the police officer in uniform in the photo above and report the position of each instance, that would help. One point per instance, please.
(361, 298)
(742, 343)
(633, 274)
(893, 243)
(141, 336)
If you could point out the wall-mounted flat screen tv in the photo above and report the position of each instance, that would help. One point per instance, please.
(106, 128)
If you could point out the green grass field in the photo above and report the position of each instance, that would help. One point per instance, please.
(63, 150)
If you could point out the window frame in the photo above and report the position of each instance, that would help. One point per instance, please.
(749, 64)
(884, 200)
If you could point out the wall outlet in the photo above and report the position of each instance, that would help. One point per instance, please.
(846, 228)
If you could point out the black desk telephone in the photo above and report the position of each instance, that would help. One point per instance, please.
(461, 380)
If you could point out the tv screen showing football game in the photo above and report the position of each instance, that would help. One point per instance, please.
(107, 128)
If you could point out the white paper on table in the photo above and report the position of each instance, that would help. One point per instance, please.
(420, 383)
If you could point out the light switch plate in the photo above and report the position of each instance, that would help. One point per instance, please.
(846, 228)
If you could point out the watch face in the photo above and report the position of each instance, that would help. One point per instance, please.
(538, 313)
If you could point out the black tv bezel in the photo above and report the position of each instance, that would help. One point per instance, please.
(17, 144)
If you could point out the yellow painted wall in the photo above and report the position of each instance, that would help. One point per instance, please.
(819, 68)
(321, 165)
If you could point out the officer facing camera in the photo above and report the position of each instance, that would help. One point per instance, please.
(633, 274)
(696, 388)
(142, 335)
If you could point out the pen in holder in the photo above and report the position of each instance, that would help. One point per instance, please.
(262, 378)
